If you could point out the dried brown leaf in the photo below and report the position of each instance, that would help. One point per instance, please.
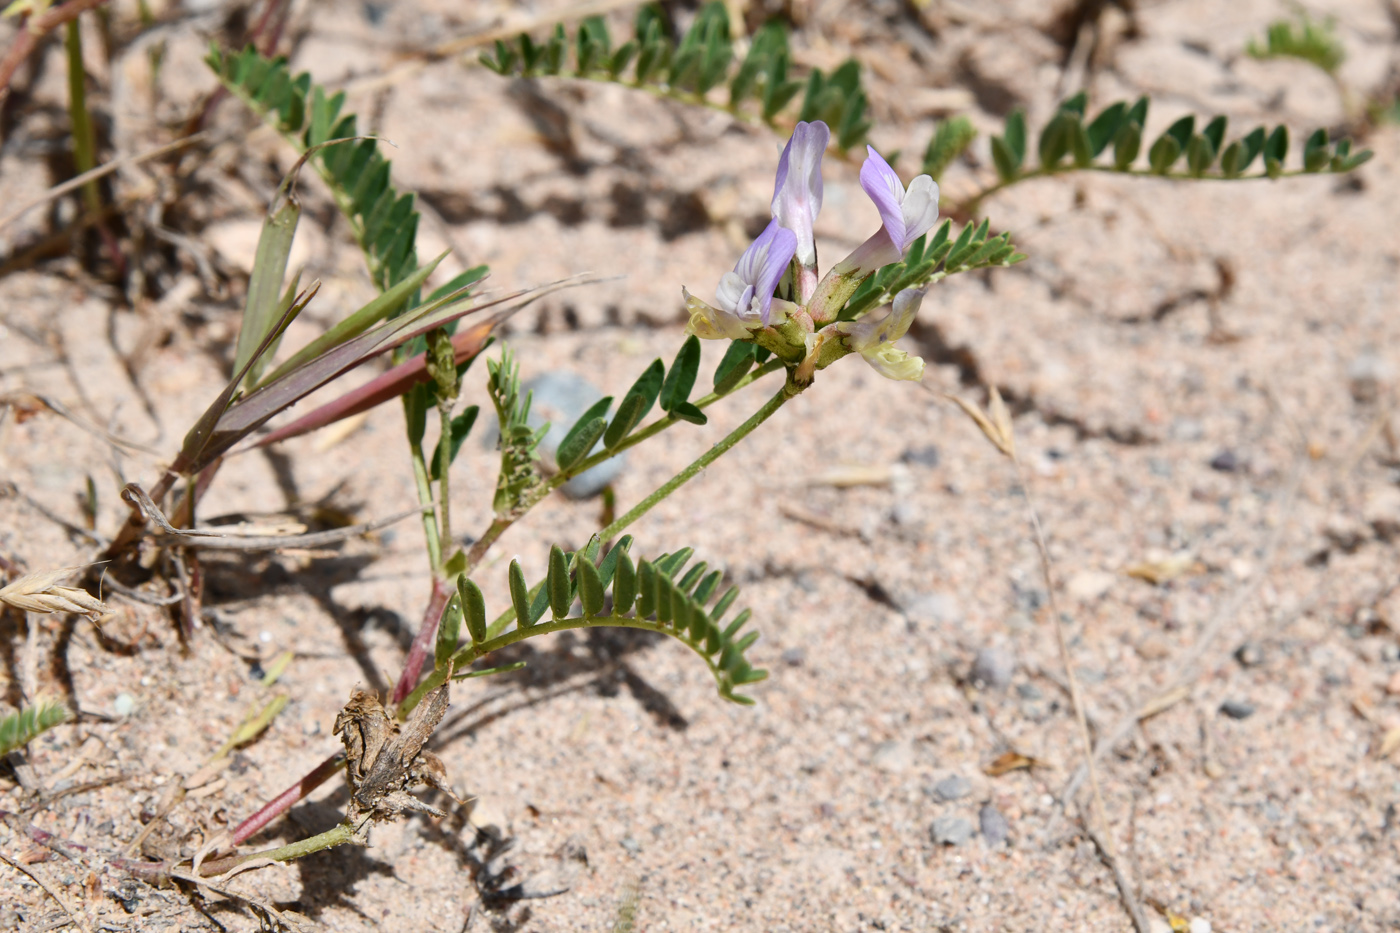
(1010, 761)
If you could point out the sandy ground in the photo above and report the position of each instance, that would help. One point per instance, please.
(1203, 374)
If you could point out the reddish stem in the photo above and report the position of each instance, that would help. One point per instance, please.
(35, 29)
(423, 642)
(285, 800)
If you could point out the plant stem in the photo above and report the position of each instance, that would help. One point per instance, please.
(84, 142)
(788, 391)
(444, 464)
(423, 642)
(424, 485)
(284, 801)
(336, 836)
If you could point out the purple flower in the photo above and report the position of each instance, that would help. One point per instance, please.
(906, 215)
(744, 299)
(748, 290)
(797, 195)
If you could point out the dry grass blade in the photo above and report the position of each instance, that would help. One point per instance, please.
(997, 428)
(41, 592)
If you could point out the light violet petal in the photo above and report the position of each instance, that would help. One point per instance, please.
(797, 193)
(920, 209)
(886, 190)
(880, 250)
(781, 246)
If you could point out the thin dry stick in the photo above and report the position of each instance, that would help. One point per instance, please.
(141, 503)
(58, 191)
(44, 883)
(1102, 837)
(996, 426)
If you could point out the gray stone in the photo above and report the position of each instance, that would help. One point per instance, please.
(631, 845)
(993, 667)
(953, 787)
(994, 826)
(1227, 461)
(1237, 709)
(951, 830)
(793, 657)
(921, 456)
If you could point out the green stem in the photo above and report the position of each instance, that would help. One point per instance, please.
(84, 142)
(336, 836)
(789, 390)
(424, 485)
(444, 465)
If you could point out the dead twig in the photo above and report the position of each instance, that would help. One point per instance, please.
(143, 507)
(76, 182)
(44, 883)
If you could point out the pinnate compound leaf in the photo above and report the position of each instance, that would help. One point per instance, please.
(20, 728)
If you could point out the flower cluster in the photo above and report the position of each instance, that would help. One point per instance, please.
(774, 297)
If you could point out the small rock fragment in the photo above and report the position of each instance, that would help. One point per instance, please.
(1227, 461)
(893, 757)
(951, 830)
(793, 657)
(1249, 654)
(1199, 925)
(1088, 585)
(993, 667)
(954, 787)
(1237, 709)
(921, 456)
(631, 845)
(995, 829)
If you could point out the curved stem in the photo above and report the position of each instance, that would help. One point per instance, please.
(423, 642)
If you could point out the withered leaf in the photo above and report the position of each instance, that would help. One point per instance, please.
(384, 760)
(1012, 761)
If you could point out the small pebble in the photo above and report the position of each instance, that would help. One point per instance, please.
(921, 456)
(631, 845)
(951, 830)
(954, 787)
(793, 657)
(993, 667)
(1249, 654)
(1029, 691)
(1199, 925)
(1237, 709)
(893, 757)
(995, 829)
(1226, 462)
(124, 704)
